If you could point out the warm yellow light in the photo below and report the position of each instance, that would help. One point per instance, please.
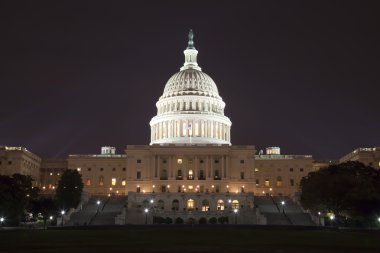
(110, 188)
(113, 182)
(179, 161)
(51, 174)
(79, 169)
(123, 183)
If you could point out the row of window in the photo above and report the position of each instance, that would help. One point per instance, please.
(9, 162)
(101, 182)
(279, 182)
(279, 169)
(190, 204)
(179, 161)
(101, 169)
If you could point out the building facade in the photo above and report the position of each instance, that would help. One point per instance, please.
(190, 153)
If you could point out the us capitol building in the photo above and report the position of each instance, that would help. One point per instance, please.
(190, 164)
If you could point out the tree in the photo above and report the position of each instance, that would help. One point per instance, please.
(350, 189)
(15, 193)
(45, 207)
(69, 190)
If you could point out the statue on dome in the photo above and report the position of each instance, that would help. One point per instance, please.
(190, 44)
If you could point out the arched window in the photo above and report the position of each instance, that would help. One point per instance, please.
(161, 204)
(175, 205)
(220, 205)
(205, 205)
(235, 204)
(190, 204)
(101, 181)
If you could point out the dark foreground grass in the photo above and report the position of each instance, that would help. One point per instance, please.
(189, 239)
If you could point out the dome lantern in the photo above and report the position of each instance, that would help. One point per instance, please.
(190, 54)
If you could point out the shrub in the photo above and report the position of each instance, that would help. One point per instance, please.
(158, 220)
(213, 220)
(179, 220)
(203, 220)
(168, 220)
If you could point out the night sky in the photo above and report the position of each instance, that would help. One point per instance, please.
(302, 76)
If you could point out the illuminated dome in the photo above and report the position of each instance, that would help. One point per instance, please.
(190, 111)
(190, 82)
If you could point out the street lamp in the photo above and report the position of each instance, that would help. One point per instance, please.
(62, 213)
(146, 210)
(283, 206)
(2, 219)
(332, 218)
(98, 204)
(236, 212)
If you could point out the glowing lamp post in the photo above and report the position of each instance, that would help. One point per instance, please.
(236, 213)
(63, 214)
(98, 204)
(283, 206)
(146, 210)
(2, 219)
(332, 218)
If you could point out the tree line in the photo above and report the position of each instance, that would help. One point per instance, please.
(347, 193)
(20, 201)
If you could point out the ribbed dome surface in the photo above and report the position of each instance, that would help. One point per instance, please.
(190, 82)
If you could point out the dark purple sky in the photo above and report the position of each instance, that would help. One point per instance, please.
(76, 76)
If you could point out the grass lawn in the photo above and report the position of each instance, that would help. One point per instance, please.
(189, 239)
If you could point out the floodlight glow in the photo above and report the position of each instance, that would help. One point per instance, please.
(146, 210)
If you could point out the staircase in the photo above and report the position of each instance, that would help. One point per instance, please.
(112, 207)
(103, 213)
(277, 214)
